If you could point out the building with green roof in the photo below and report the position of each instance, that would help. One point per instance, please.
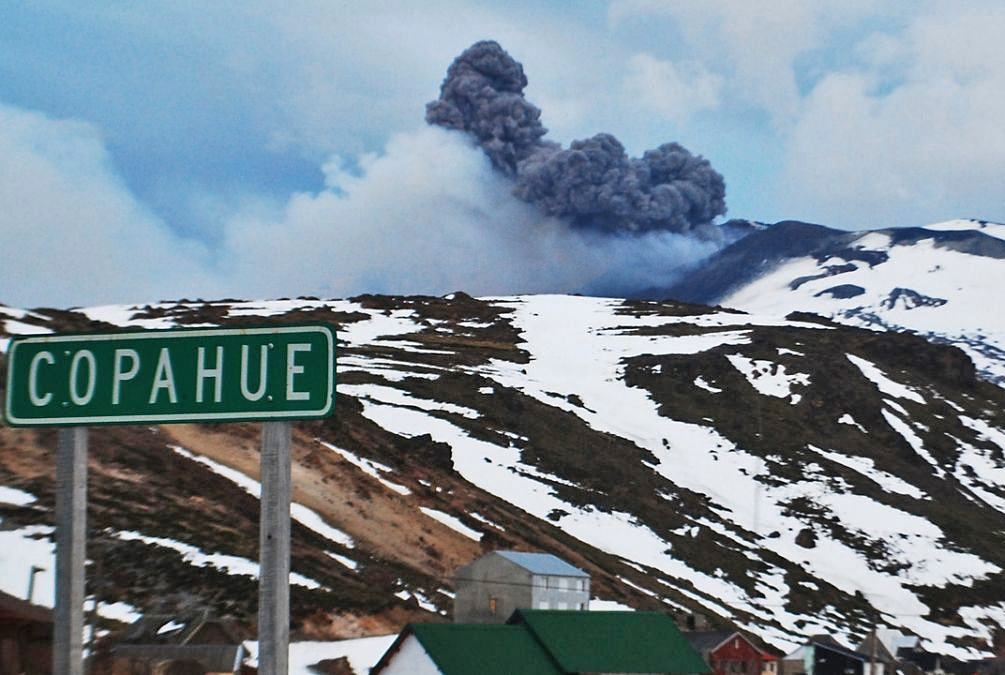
(612, 642)
(483, 649)
(544, 642)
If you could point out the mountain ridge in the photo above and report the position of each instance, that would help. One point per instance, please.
(934, 281)
(780, 475)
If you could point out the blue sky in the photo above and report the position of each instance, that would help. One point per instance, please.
(166, 149)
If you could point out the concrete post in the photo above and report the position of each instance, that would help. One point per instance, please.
(71, 529)
(274, 550)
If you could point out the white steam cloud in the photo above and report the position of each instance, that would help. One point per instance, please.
(432, 216)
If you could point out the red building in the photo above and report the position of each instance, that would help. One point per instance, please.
(728, 652)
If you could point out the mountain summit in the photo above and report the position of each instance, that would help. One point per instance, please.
(936, 281)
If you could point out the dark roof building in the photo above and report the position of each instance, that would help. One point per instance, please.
(705, 641)
(215, 644)
(822, 655)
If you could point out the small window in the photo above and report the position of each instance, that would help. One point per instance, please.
(493, 605)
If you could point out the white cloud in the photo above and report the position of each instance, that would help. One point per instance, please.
(752, 45)
(340, 76)
(911, 135)
(676, 90)
(71, 232)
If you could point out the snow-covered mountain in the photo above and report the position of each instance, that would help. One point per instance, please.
(940, 281)
(790, 477)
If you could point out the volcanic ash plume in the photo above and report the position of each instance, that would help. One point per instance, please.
(483, 95)
(593, 183)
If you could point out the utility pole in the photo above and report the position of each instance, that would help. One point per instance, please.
(758, 486)
(35, 569)
(872, 652)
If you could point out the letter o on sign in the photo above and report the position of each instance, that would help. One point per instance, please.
(92, 376)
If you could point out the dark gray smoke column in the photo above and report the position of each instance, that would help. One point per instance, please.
(594, 182)
(597, 185)
(483, 95)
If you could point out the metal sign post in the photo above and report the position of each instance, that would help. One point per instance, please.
(71, 532)
(274, 549)
(274, 374)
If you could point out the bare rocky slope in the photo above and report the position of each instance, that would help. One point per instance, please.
(788, 476)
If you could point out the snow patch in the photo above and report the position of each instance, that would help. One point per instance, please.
(769, 378)
(883, 382)
(9, 495)
(848, 419)
(452, 522)
(229, 564)
(702, 384)
(866, 467)
(369, 467)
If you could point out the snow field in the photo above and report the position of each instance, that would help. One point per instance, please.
(959, 278)
(594, 372)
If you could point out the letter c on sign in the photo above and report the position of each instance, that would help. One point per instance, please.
(33, 395)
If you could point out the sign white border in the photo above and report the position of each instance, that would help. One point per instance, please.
(179, 417)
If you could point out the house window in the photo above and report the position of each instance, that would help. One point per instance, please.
(493, 605)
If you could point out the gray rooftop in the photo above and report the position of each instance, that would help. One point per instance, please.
(543, 563)
(707, 640)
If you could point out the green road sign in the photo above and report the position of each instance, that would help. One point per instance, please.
(191, 375)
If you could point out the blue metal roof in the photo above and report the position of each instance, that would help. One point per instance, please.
(543, 563)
